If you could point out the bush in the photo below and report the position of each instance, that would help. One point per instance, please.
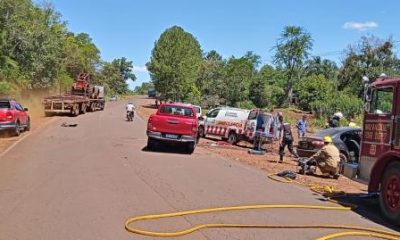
(245, 104)
(349, 105)
(311, 89)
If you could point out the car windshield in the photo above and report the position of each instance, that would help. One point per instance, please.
(177, 111)
(4, 104)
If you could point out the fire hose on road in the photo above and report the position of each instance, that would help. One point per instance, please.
(349, 230)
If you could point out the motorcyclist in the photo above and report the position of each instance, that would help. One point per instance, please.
(130, 108)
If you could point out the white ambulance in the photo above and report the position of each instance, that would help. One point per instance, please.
(269, 129)
(225, 122)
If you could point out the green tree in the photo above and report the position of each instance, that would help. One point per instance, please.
(210, 81)
(292, 50)
(175, 65)
(115, 75)
(144, 88)
(317, 66)
(371, 57)
(239, 73)
(313, 88)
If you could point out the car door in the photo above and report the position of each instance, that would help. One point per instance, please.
(210, 122)
(22, 115)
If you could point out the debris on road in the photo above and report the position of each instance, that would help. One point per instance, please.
(64, 124)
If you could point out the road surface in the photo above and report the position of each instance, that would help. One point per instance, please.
(83, 182)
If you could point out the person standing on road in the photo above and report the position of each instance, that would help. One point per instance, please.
(328, 158)
(302, 125)
(286, 140)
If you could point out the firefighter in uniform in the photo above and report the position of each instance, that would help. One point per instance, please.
(327, 158)
(287, 140)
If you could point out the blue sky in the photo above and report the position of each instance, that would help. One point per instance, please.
(129, 28)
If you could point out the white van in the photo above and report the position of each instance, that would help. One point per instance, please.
(225, 122)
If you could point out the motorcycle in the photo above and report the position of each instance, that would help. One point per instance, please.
(130, 115)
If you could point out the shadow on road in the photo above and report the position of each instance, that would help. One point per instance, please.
(169, 149)
(367, 207)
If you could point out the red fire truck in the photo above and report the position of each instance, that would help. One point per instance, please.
(380, 150)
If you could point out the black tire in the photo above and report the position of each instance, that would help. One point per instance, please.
(17, 129)
(28, 125)
(343, 159)
(201, 132)
(389, 198)
(232, 138)
(151, 144)
(83, 109)
(190, 147)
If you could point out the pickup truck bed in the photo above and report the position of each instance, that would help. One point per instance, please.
(173, 123)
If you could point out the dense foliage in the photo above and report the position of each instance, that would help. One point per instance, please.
(38, 53)
(310, 83)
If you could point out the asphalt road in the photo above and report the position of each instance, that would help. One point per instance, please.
(83, 182)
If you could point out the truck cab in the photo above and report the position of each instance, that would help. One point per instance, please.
(380, 146)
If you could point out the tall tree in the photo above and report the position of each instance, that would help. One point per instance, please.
(317, 66)
(239, 72)
(115, 75)
(371, 56)
(175, 65)
(292, 49)
(211, 79)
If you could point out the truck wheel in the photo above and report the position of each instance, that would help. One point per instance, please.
(201, 132)
(389, 198)
(190, 147)
(232, 138)
(75, 110)
(83, 109)
(151, 144)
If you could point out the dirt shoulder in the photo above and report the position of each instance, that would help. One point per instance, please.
(268, 162)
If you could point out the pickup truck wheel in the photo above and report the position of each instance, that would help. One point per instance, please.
(190, 147)
(389, 198)
(151, 144)
(232, 138)
(201, 132)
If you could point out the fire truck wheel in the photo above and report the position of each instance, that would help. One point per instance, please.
(201, 132)
(389, 199)
(232, 138)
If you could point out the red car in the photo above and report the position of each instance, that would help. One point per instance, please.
(13, 117)
(173, 123)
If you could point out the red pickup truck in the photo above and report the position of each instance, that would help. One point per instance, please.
(173, 123)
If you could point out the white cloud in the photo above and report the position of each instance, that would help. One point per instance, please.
(140, 69)
(360, 26)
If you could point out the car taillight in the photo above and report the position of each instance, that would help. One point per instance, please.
(149, 123)
(194, 127)
(9, 116)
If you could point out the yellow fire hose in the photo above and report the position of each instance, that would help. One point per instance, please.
(351, 230)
